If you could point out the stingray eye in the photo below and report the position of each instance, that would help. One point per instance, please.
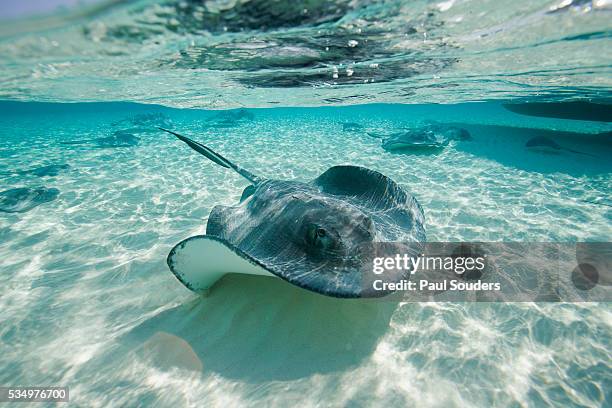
(319, 237)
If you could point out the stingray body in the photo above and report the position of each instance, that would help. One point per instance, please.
(317, 235)
(431, 137)
(17, 200)
(229, 119)
(150, 119)
(419, 140)
(351, 127)
(118, 139)
(545, 145)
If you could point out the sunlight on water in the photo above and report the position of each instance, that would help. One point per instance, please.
(220, 54)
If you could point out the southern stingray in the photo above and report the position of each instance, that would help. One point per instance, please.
(546, 145)
(228, 119)
(24, 199)
(318, 235)
(431, 137)
(351, 127)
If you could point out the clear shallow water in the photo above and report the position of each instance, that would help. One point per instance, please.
(88, 301)
(228, 53)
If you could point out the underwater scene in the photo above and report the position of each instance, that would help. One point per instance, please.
(144, 142)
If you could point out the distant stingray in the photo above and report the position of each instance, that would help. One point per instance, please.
(51, 170)
(414, 141)
(118, 139)
(351, 127)
(24, 199)
(231, 118)
(430, 138)
(545, 145)
(316, 235)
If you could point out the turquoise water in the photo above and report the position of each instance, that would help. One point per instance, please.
(87, 299)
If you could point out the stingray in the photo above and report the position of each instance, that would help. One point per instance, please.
(24, 199)
(228, 119)
(315, 235)
(430, 137)
(415, 140)
(546, 145)
(51, 170)
(351, 127)
(118, 139)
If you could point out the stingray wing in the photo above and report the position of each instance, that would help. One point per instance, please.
(200, 261)
(398, 214)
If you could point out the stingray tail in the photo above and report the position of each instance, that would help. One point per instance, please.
(215, 157)
(579, 152)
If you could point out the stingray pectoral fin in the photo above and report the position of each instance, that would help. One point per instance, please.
(200, 261)
(247, 192)
(369, 185)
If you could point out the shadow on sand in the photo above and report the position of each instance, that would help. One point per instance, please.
(257, 329)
